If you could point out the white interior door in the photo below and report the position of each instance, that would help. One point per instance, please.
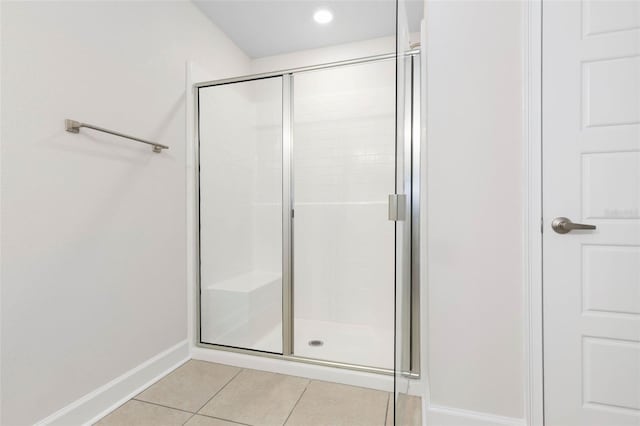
(591, 174)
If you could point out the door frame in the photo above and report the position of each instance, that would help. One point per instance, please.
(533, 222)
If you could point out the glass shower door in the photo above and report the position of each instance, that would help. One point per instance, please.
(407, 284)
(343, 246)
(240, 200)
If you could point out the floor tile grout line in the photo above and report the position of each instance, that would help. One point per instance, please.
(221, 389)
(193, 413)
(386, 411)
(297, 401)
(223, 419)
(139, 393)
(160, 405)
(192, 416)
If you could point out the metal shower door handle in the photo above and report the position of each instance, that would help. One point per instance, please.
(563, 225)
(397, 207)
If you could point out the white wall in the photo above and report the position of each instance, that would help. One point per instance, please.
(93, 242)
(474, 197)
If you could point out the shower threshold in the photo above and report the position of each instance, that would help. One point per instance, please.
(347, 346)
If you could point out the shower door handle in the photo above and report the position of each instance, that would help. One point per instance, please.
(397, 207)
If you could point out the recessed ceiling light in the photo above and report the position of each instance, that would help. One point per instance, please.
(323, 16)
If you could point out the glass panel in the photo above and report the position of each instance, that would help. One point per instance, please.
(407, 355)
(344, 170)
(241, 214)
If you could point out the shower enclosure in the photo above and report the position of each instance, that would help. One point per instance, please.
(308, 214)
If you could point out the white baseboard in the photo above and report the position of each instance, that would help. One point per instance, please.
(310, 371)
(447, 416)
(107, 398)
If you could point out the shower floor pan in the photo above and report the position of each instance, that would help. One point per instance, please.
(345, 343)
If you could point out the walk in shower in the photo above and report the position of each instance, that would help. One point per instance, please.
(301, 235)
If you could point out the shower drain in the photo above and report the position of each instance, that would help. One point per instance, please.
(316, 343)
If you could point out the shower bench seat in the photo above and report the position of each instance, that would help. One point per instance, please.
(243, 309)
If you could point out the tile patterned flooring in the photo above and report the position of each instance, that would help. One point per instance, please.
(200, 393)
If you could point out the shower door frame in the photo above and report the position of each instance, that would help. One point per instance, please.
(412, 190)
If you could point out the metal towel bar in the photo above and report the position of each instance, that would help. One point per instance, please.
(74, 127)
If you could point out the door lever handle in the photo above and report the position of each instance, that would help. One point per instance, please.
(563, 225)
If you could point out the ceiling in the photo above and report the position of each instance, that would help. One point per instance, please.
(270, 27)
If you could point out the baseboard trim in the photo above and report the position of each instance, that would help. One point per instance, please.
(100, 402)
(448, 416)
